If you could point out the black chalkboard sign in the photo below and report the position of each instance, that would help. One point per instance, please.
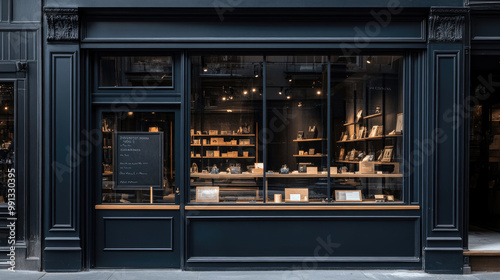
(138, 160)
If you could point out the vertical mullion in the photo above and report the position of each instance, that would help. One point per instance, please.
(264, 127)
(328, 125)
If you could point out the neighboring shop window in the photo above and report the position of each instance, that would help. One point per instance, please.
(363, 116)
(135, 71)
(138, 157)
(6, 137)
(226, 116)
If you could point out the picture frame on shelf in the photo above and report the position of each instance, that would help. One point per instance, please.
(348, 196)
(300, 135)
(207, 194)
(373, 132)
(345, 137)
(387, 155)
(341, 154)
(311, 151)
(213, 132)
(399, 123)
(359, 115)
(244, 141)
(361, 132)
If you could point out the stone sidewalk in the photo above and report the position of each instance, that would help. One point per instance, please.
(240, 275)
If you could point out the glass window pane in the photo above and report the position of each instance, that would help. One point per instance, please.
(138, 157)
(296, 129)
(135, 71)
(226, 116)
(6, 136)
(367, 128)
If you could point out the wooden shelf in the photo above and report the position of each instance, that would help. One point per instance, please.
(373, 116)
(226, 176)
(311, 156)
(309, 140)
(363, 139)
(222, 157)
(307, 206)
(223, 135)
(376, 162)
(290, 175)
(351, 123)
(222, 145)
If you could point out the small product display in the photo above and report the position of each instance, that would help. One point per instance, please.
(214, 170)
(387, 156)
(284, 169)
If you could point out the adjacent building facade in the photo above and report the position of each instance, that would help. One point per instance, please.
(239, 134)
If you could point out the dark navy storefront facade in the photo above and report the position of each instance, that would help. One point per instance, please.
(427, 232)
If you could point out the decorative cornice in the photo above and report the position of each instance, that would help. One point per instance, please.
(446, 25)
(62, 24)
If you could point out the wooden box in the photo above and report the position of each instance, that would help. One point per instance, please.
(296, 194)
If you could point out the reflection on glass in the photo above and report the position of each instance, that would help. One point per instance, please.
(297, 129)
(6, 137)
(367, 127)
(135, 71)
(130, 157)
(226, 115)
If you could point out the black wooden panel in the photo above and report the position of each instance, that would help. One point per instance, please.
(303, 237)
(143, 233)
(63, 208)
(137, 239)
(445, 188)
(485, 28)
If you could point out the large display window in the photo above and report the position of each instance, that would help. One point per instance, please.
(297, 129)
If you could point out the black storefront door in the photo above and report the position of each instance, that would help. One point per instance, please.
(137, 219)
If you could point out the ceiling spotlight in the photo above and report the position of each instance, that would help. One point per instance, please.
(288, 97)
(223, 98)
(299, 105)
(369, 60)
(205, 69)
(281, 91)
(256, 75)
(254, 90)
(318, 92)
(230, 97)
(229, 110)
(6, 108)
(130, 113)
(245, 92)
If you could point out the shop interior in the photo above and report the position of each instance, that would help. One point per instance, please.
(484, 185)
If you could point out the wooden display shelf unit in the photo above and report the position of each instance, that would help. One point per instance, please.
(290, 175)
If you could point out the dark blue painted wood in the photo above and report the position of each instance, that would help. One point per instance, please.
(178, 29)
(442, 154)
(140, 239)
(317, 237)
(61, 160)
(228, 6)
